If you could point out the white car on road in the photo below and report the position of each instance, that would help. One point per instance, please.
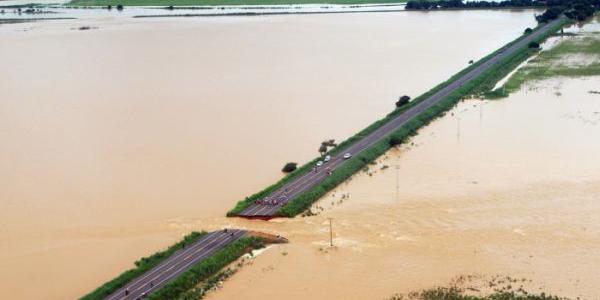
(347, 155)
(319, 163)
(327, 158)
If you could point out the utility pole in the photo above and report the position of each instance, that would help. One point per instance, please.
(397, 179)
(457, 128)
(330, 233)
(480, 113)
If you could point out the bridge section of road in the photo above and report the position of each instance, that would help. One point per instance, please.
(268, 206)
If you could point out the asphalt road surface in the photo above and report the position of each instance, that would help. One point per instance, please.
(268, 206)
(179, 262)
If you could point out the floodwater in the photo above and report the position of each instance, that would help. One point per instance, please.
(506, 187)
(53, 10)
(119, 139)
(493, 188)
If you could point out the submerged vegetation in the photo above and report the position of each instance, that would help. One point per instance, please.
(479, 288)
(141, 266)
(453, 293)
(573, 56)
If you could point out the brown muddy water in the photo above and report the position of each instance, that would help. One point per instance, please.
(118, 140)
(505, 187)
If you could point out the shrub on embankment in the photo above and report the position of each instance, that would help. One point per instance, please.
(476, 87)
(207, 268)
(142, 266)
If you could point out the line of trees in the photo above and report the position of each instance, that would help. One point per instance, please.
(575, 9)
(427, 4)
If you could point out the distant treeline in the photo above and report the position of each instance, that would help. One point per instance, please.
(574, 9)
(425, 4)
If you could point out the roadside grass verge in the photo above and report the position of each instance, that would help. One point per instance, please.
(220, 2)
(141, 266)
(189, 284)
(476, 87)
(207, 285)
(289, 212)
(574, 56)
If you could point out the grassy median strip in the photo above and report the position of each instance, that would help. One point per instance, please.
(186, 284)
(141, 266)
(302, 202)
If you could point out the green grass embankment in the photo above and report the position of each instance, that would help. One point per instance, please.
(482, 84)
(141, 266)
(220, 2)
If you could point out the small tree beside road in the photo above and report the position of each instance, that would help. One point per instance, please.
(289, 167)
(323, 149)
(402, 101)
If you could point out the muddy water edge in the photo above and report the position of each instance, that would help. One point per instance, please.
(118, 140)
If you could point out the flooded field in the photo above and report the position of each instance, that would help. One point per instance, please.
(119, 139)
(505, 187)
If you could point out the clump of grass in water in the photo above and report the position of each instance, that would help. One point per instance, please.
(462, 288)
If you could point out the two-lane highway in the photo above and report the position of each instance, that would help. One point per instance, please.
(268, 206)
(179, 262)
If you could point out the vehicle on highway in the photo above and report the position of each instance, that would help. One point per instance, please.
(319, 163)
(347, 155)
(327, 158)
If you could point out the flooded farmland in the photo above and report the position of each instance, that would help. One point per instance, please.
(119, 139)
(505, 187)
(494, 188)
